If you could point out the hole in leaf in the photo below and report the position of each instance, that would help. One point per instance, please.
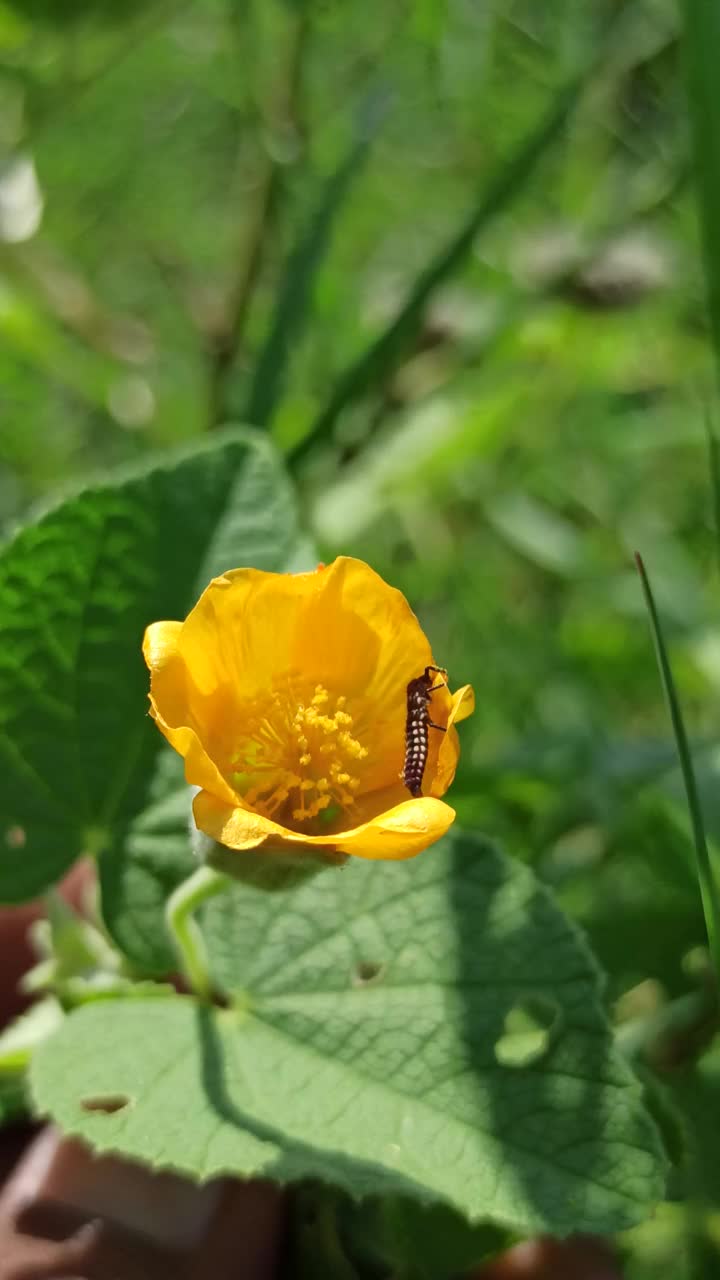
(366, 971)
(108, 1104)
(15, 837)
(530, 1028)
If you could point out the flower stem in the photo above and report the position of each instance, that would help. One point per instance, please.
(184, 930)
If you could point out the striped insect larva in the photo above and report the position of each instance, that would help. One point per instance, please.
(417, 723)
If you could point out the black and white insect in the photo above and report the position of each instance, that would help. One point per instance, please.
(417, 723)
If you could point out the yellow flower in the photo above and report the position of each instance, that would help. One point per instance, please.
(286, 696)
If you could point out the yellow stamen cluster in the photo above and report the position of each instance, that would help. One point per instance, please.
(326, 749)
(298, 763)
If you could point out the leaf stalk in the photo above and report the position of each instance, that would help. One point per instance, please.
(189, 943)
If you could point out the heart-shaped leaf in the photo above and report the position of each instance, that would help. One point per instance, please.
(77, 751)
(364, 1048)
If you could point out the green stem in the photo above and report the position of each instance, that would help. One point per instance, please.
(187, 937)
(673, 1035)
(708, 887)
(701, 44)
(714, 463)
(374, 368)
(283, 115)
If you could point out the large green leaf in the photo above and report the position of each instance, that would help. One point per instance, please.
(150, 858)
(370, 1045)
(77, 589)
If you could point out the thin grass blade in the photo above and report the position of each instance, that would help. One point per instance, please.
(708, 887)
(713, 446)
(295, 301)
(383, 356)
(702, 50)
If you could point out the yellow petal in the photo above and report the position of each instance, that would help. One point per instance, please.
(370, 641)
(193, 720)
(200, 771)
(399, 833)
(160, 644)
(250, 627)
(171, 698)
(462, 705)
(238, 636)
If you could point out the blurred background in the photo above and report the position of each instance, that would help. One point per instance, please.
(445, 252)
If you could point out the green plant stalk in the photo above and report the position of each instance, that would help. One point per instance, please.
(375, 366)
(702, 47)
(714, 462)
(295, 298)
(380, 360)
(283, 111)
(708, 887)
(203, 884)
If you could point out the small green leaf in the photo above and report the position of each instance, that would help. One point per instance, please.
(19, 1040)
(77, 749)
(361, 1051)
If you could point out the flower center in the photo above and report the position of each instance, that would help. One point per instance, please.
(298, 762)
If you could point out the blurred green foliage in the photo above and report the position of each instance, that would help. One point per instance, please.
(446, 253)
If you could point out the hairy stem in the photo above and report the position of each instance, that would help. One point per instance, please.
(184, 930)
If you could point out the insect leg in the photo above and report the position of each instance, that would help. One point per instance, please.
(432, 725)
